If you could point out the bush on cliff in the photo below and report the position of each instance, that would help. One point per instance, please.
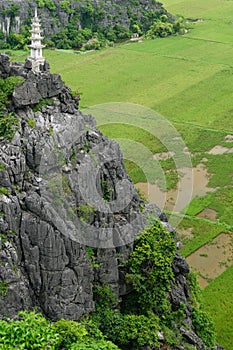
(8, 123)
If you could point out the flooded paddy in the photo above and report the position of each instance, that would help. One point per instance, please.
(177, 198)
(212, 259)
(208, 214)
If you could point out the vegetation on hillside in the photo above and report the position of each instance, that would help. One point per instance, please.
(143, 319)
(92, 26)
(8, 123)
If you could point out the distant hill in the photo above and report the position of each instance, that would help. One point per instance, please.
(71, 23)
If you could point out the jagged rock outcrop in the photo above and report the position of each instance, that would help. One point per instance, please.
(47, 170)
(63, 188)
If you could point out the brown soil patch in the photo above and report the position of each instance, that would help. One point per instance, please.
(187, 232)
(177, 199)
(208, 214)
(163, 155)
(212, 259)
(220, 150)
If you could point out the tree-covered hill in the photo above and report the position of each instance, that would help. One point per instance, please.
(72, 23)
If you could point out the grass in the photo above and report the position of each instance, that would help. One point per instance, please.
(218, 301)
(221, 201)
(203, 232)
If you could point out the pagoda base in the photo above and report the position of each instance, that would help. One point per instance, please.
(36, 63)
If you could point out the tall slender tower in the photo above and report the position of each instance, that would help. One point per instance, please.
(36, 47)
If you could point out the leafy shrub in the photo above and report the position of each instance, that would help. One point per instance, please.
(204, 327)
(86, 212)
(133, 331)
(70, 331)
(31, 123)
(162, 27)
(5, 191)
(8, 123)
(3, 288)
(137, 331)
(2, 166)
(99, 345)
(44, 102)
(33, 331)
(150, 268)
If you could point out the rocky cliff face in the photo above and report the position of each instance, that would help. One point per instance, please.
(45, 171)
(55, 15)
(69, 213)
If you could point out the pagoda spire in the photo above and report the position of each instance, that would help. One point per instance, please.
(36, 56)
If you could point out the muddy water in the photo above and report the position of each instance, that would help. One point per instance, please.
(212, 259)
(177, 199)
(208, 214)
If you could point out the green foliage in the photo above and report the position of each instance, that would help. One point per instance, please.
(12, 11)
(163, 27)
(159, 29)
(3, 237)
(17, 41)
(90, 16)
(65, 5)
(204, 327)
(91, 257)
(131, 331)
(106, 190)
(194, 288)
(4, 190)
(8, 123)
(33, 331)
(104, 298)
(218, 302)
(44, 102)
(31, 123)
(150, 268)
(94, 345)
(137, 331)
(86, 212)
(6, 89)
(2, 166)
(46, 3)
(70, 332)
(3, 292)
(202, 322)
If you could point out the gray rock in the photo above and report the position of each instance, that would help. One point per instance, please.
(192, 338)
(26, 94)
(4, 65)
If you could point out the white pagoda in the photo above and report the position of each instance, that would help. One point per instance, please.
(36, 47)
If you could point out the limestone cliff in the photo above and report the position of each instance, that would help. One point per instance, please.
(55, 15)
(69, 213)
(42, 261)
